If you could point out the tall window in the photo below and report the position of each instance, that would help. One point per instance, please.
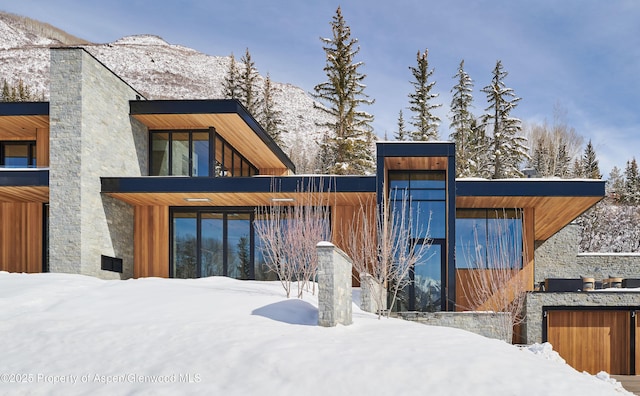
(18, 154)
(426, 191)
(487, 238)
(196, 154)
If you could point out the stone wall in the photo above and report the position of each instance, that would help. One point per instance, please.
(537, 300)
(373, 296)
(91, 135)
(558, 257)
(334, 286)
(496, 325)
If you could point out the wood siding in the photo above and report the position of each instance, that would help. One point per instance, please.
(21, 237)
(42, 147)
(592, 341)
(151, 241)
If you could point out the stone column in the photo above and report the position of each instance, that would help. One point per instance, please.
(334, 286)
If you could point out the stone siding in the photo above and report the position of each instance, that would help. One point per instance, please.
(373, 296)
(487, 324)
(91, 135)
(537, 300)
(334, 286)
(558, 257)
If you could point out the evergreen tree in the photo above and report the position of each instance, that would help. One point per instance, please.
(421, 100)
(590, 166)
(615, 184)
(563, 162)
(249, 84)
(343, 94)
(540, 159)
(230, 85)
(478, 152)
(401, 134)
(578, 168)
(6, 91)
(508, 148)
(271, 118)
(462, 121)
(632, 183)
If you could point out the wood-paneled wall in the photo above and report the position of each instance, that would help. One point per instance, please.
(21, 227)
(592, 341)
(42, 147)
(151, 241)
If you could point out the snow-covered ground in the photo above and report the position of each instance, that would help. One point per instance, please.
(71, 334)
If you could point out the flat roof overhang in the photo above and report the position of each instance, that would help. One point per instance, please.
(555, 202)
(20, 120)
(230, 119)
(241, 191)
(24, 185)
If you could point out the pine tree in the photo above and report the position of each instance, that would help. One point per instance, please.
(230, 85)
(249, 84)
(615, 184)
(271, 118)
(478, 152)
(462, 120)
(343, 94)
(578, 169)
(563, 162)
(540, 159)
(6, 91)
(590, 166)
(401, 134)
(421, 100)
(508, 148)
(632, 183)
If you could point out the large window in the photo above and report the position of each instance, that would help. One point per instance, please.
(422, 194)
(489, 238)
(18, 154)
(195, 153)
(209, 242)
(426, 191)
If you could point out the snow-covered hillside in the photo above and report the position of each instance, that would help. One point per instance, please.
(71, 334)
(160, 70)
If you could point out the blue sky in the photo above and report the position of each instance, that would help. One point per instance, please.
(581, 55)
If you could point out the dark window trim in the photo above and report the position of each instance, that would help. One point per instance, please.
(224, 210)
(31, 151)
(214, 138)
(486, 218)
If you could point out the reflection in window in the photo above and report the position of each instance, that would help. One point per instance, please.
(195, 153)
(18, 154)
(426, 190)
(185, 248)
(212, 243)
(487, 236)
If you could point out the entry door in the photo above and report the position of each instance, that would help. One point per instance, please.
(426, 293)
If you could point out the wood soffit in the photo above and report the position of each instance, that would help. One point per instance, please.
(22, 126)
(24, 194)
(245, 199)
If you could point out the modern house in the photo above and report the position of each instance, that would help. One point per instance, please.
(102, 182)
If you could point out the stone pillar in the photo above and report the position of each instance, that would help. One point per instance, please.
(334, 286)
(373, 296)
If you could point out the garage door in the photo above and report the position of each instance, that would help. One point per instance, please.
(595, 340)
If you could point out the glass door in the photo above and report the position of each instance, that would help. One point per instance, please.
(427, 294)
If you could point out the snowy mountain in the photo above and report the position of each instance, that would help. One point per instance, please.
(157, 69)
